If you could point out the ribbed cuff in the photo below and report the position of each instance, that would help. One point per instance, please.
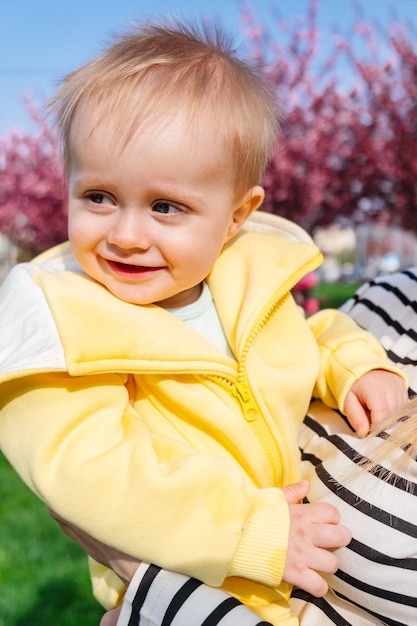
(262, 551)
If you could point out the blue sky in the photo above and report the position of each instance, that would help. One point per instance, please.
(41, 40)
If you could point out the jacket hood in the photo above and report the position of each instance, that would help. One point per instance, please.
(55, 317)
(263, 222)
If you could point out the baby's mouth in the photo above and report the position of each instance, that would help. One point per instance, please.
(129, 268)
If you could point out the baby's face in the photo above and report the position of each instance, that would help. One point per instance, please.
(149, 219)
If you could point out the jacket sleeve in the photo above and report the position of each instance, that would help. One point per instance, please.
(83, 449)
(347, 352)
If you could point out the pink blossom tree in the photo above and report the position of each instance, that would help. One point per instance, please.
(348, 144)
(347, 151)
(32, 195)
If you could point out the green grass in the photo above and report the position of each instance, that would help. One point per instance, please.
(44, 577)
(333, 295)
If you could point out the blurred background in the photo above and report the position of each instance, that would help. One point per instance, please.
(345, 73)
(345, 169)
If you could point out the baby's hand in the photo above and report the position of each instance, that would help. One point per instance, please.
(314, 532)
(374, 397)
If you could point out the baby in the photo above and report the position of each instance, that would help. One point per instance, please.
(154, 371)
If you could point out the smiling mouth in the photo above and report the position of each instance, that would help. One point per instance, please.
(128, 268)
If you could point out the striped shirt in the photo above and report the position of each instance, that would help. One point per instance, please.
(378, 570)
(157, 597)
(376, 582)
(387, 307)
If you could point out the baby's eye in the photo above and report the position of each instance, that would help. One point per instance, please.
(99, 198)
(165, 208)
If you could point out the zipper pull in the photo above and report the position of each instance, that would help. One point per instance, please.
(242, 393)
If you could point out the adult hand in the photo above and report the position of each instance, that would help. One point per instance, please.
(110, 618)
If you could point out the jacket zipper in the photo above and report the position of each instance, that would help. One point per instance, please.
(241, 388)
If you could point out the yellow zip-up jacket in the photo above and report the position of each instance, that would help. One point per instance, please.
(133, 427)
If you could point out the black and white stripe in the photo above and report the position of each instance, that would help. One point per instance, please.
(378, 570)
(376, 583)
(157, 597)
(387, 307)
(377, 576)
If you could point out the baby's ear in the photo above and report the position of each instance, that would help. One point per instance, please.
(251, 200)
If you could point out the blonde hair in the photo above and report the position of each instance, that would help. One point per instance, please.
(398, 447)
(161, 69)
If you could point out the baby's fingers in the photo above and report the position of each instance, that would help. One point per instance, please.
(331, 536)
(325, 561)
(313, 583)
(322, 513)
(296, 491)
(356, 414)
